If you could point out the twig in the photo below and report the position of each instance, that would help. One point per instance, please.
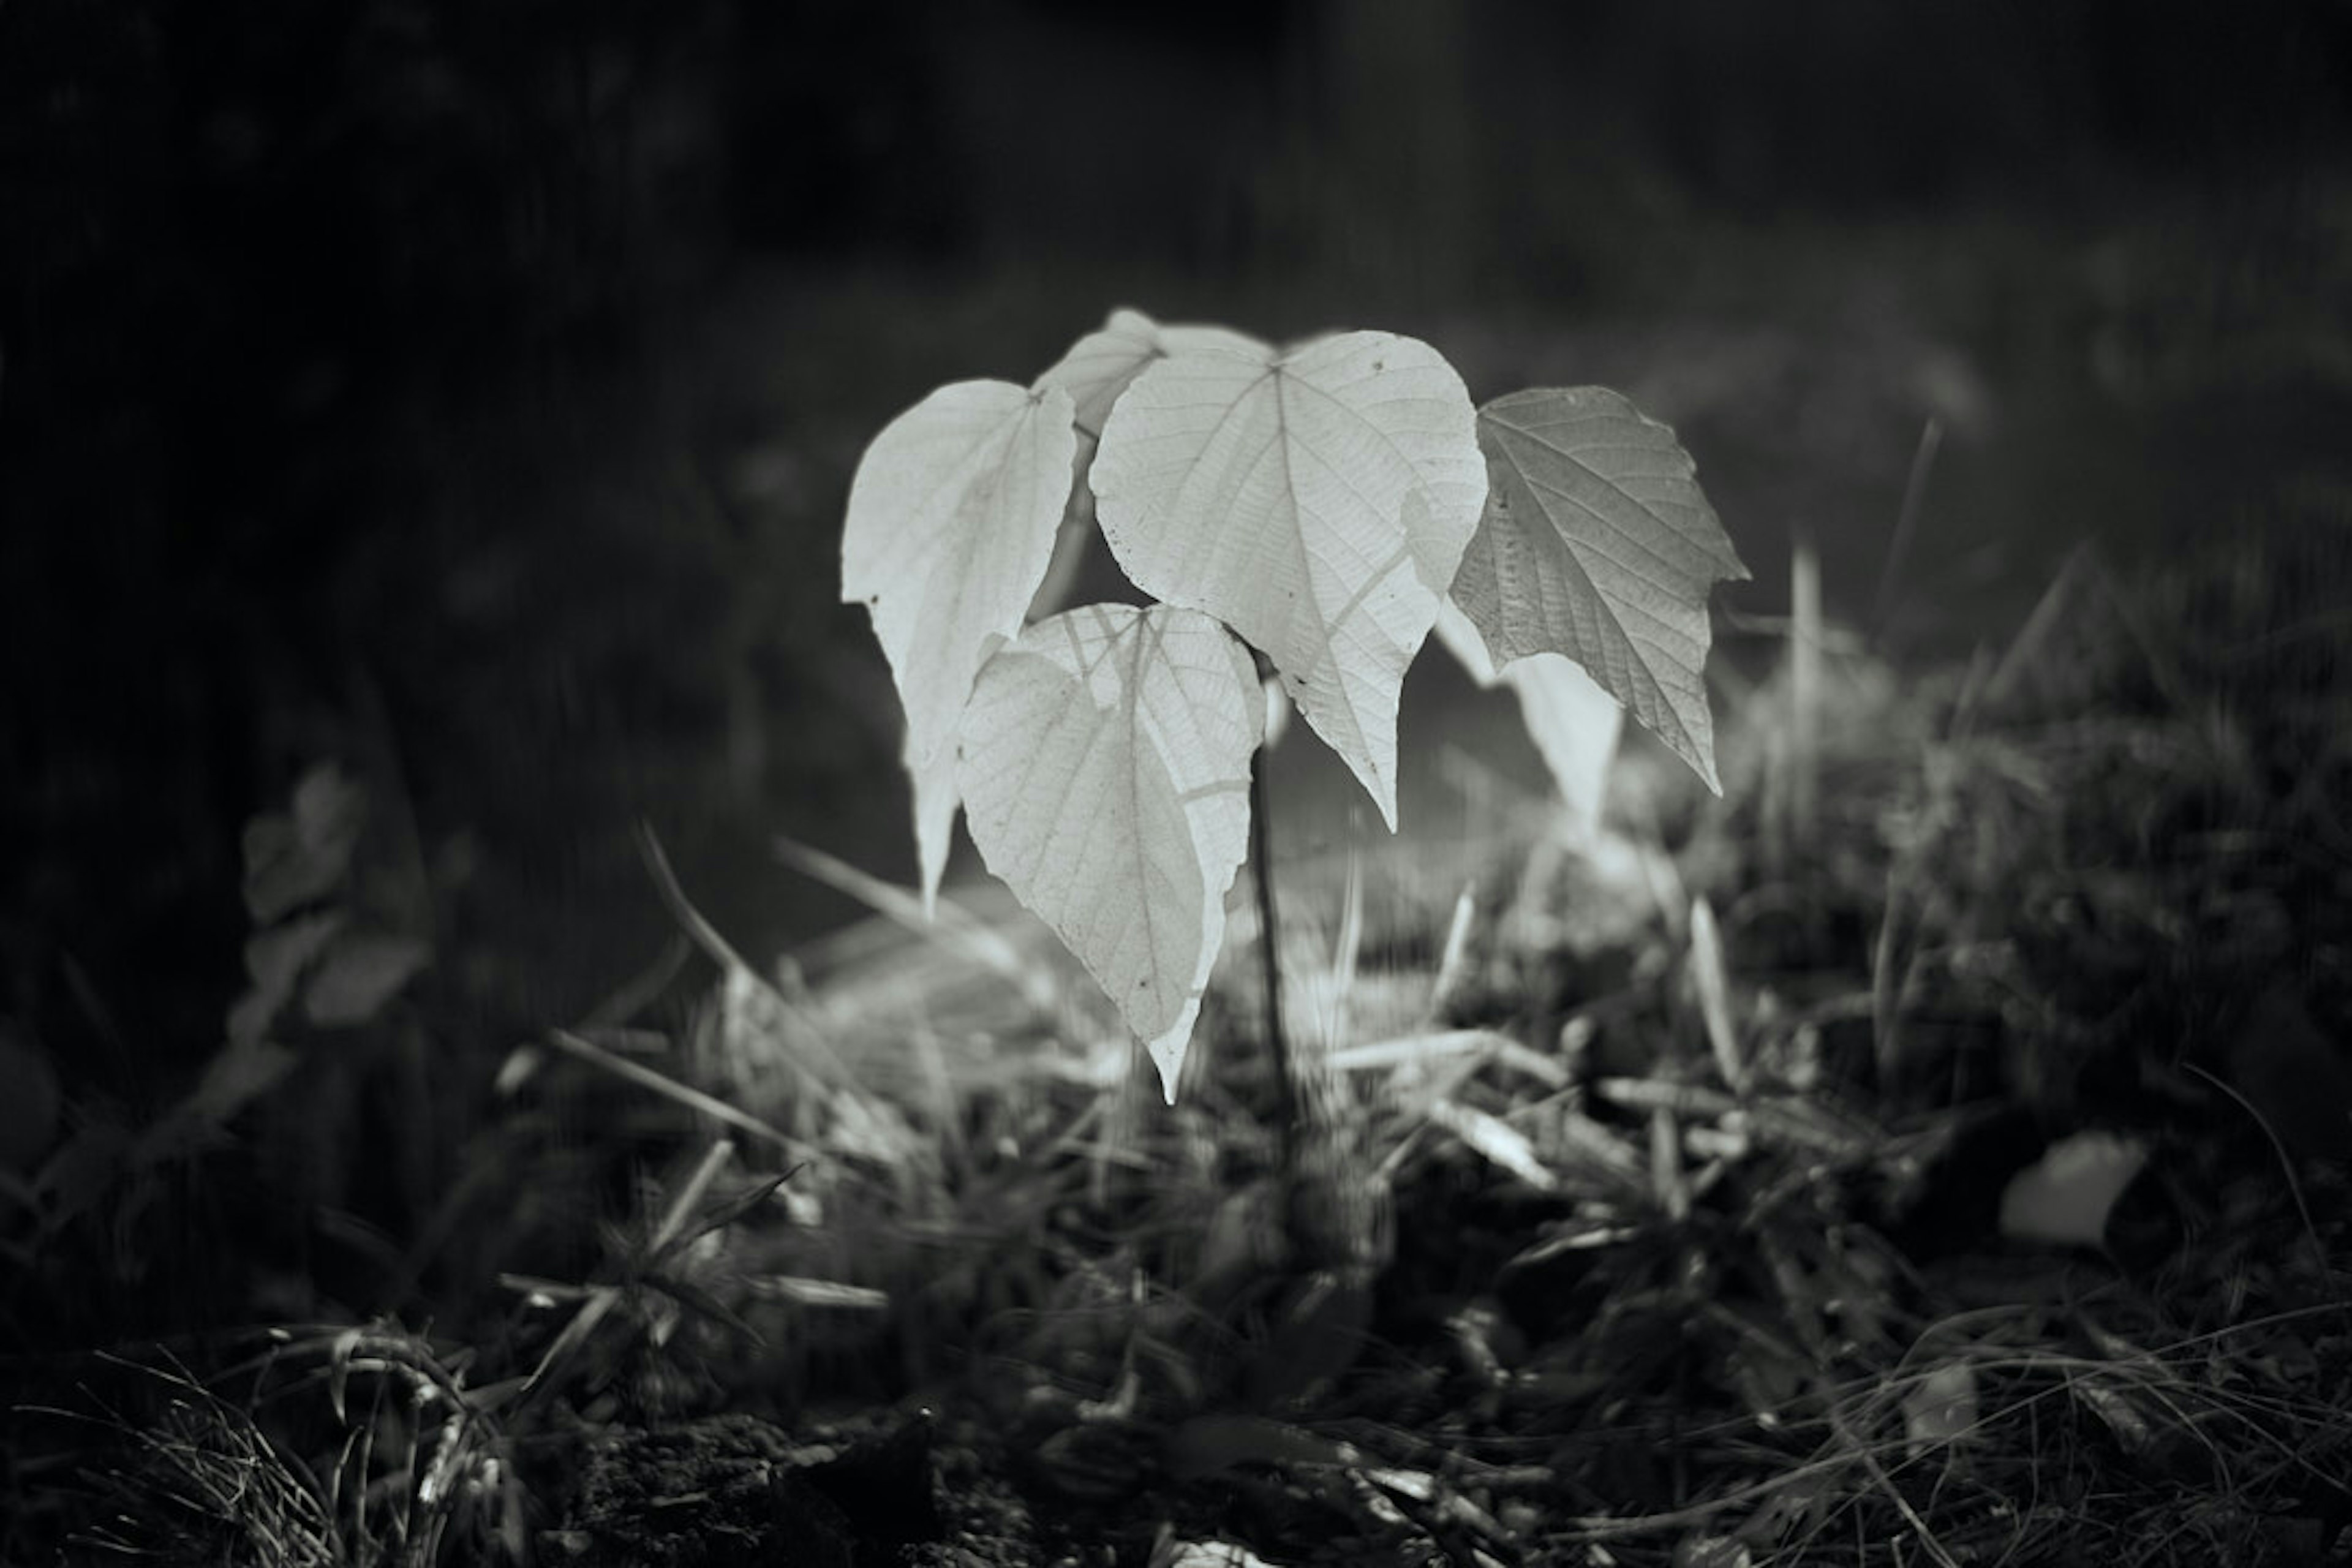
(1269, 949)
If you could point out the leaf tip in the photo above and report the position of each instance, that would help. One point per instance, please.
(1168, 1049)
(1167, 1060)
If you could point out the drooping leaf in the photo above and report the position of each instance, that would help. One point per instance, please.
(1317, 501)
(1598, 543)
(1106, 779)
(1574, 724)
(951, 525)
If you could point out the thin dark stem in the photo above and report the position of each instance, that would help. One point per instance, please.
(1278, 1043)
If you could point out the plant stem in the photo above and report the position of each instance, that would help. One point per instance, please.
(1278, 1043)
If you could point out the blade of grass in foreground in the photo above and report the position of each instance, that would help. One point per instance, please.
(670, 1089)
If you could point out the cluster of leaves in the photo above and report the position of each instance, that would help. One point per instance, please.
(1329, 504)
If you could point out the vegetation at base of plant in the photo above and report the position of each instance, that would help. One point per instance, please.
(353, 1449)
(1694, 1135)
(1329, 504)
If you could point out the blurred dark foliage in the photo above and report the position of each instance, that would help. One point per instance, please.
(328, 325)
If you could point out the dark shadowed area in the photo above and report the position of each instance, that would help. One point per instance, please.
(469, 392)
(475, 388)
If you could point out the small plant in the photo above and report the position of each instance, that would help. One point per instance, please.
(1327, 504)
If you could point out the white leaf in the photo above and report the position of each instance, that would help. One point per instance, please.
(1317, 502)
(1101, 365)
(1106, 779)
(2065, 1197)
(1598, 543)
(1575, 725)
(950, 526)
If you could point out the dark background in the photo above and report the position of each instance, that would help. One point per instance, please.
(469, 389)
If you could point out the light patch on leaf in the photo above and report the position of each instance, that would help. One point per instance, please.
(1317, 502)
(951, 521)
(1598, 543)
(1106, 779)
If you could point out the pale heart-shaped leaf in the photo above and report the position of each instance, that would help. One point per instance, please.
(1598, 543)
(1098, 368)
(1574, 724)
(951, 522)
(1100, 365)
(1317, 502)
(1106, 779)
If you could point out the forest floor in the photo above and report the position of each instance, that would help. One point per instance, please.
(1933, 1149)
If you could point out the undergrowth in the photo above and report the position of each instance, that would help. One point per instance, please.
(1686, 1141)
